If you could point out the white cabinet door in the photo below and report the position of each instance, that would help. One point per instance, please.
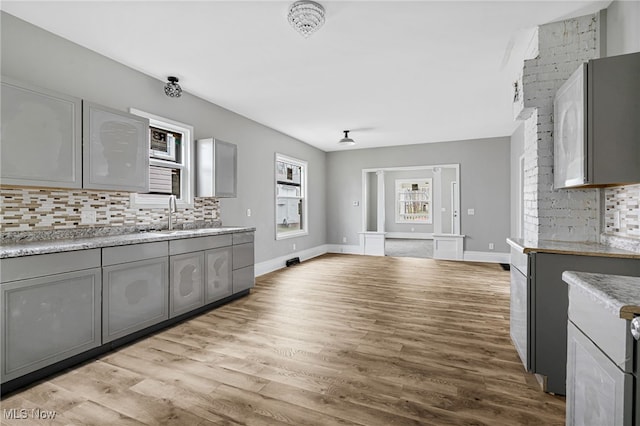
(41, 137)
(186, 291)
(134, 297)
(598, 392)
(115, 149)
(48, 319)
(218, 274)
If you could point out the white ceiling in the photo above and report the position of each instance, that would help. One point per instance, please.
(393, 72)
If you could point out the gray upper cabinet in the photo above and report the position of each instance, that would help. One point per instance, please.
(115, 149)
(596, 126)
(41, 137)
(217, 168)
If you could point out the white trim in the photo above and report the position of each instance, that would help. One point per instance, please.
(304, 171)
(187, 165)
(411, 235)
(486, 256)
(280, 261)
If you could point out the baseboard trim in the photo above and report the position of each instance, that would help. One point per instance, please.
(410, 235)
(486, 256)
(344, 249)
(280, 262)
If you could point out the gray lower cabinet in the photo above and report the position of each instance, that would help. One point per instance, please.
(243, 261)
(135, 293)
(600, 366)
(186, 287)
(218, 274)
(546, 305)
(46, 319)
(30, 115)
(598, 392)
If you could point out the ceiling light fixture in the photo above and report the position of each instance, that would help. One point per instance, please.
(172, 88)
(306, 16)
(346, 141)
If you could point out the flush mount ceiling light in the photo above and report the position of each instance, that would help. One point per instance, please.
(346, 141)
(306, 16)
(172, 88)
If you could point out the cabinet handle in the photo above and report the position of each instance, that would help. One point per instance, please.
(635, 328)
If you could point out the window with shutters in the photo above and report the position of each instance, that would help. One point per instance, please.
(170, 163)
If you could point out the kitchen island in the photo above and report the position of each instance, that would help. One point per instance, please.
(602, 348)
(539, 299)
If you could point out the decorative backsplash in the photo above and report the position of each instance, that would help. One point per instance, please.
(46, 209)
(622, 202)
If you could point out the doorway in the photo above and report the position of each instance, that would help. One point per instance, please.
(408, 205)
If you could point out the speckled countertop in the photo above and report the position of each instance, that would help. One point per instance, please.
(567, 247)
(61, 245)
(619, 294)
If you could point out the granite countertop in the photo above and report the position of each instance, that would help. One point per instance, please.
(619, 294)
(568, 247)
(61, 245)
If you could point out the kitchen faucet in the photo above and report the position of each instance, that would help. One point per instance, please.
(173, 208)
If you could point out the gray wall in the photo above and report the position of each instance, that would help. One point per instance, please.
(35, 56)
(484, 186)
(517, 150)
(623, 27)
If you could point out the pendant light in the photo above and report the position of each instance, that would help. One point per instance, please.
(346, 141)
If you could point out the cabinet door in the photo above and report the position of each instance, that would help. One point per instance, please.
(216, 168)
(115, 149)
(134, 297)
(187, 283)
(243, 255)
(519, 315)
(40, 137)
(48, 319)
(598, 392)
(243, 279)
(218, 274)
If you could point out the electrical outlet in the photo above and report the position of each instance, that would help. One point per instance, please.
(356, 203)
(87, 217)
(471, 212)
(616, 219)
(490, 246)
(413, 229)
(294, 246)
(344, 239)
(248, 212)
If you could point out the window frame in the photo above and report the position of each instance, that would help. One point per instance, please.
(186, 166)
(304, 171)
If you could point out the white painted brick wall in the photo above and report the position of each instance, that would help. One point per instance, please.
(567, 215)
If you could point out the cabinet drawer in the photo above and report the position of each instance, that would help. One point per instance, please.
(605, 329)
(188, 245)
(134, 252)
(48, 319)
(243, 237)
(242, 255)
(243, 279)
(21, 268)
(519, 260)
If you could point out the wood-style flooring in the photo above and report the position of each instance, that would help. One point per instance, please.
(337, 340)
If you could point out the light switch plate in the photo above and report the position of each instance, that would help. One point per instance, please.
(88, 217)
(471, 212)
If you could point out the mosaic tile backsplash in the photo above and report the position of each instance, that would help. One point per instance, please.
(45, 209)
(622, 211)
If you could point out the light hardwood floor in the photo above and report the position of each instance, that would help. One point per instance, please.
(341, 339)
